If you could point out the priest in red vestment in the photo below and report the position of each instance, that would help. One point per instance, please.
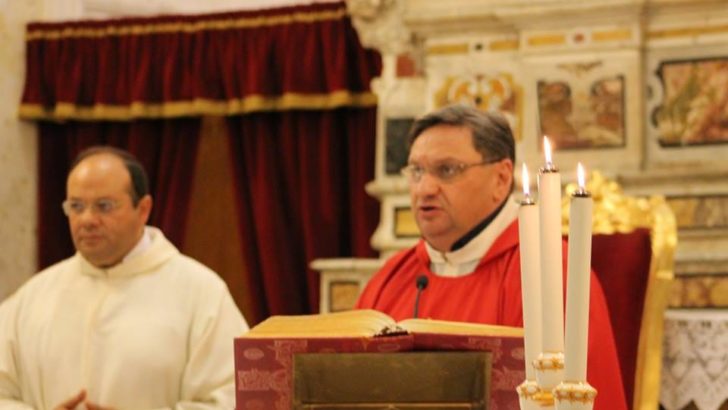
(460, 173)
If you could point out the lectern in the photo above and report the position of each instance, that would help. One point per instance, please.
(328, 362)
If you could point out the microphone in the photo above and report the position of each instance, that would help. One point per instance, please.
(421, 284)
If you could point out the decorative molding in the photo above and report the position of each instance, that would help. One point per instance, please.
(380, 25)
(619, 34)
(342, 280)
(548, 39)
(436, 18)
(675, 181)
(448, 49)
(659, 34)
(700, 291)
(503, 45)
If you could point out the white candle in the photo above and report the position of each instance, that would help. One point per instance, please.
(577, 285)
(552, 294)
(528, 229)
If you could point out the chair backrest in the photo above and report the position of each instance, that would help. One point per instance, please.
(633, 247)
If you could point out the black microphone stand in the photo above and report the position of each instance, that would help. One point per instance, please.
(421, 284)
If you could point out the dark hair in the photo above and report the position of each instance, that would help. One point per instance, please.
(139, 179)
(492, 136)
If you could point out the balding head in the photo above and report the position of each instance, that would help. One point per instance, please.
(139, 186)
(105, 222)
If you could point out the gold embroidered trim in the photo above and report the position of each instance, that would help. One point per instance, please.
(575, 393)
(550, 363)
(530, 390)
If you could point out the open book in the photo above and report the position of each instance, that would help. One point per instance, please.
(265, 356)
(368, 323)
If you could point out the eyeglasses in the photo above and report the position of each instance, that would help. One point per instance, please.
(444, 171)
(72, 207)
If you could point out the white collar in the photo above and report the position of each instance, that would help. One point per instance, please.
(464, 260)
(144, 243)
(146, 256)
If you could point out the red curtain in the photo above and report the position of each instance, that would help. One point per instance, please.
(300, 187)
(167, 150)
(624, 280)
(294, 83)
(303, 57)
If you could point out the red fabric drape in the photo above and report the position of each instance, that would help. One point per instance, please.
(624, 280)
(300, 186)
(167, 150)
(305, 57)
(295, 83)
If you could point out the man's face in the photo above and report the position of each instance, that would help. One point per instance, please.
(447, 210)
(105, 225)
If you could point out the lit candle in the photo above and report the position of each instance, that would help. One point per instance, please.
(549, 206)
(528, 229)
(577, 285)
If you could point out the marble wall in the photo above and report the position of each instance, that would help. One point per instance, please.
(635, 90)
(18, 142)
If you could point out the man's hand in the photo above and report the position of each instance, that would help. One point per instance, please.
(74, 401)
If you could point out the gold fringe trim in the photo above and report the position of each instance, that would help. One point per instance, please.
(253, 103)
(186, 27)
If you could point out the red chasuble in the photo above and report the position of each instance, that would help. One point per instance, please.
(491, 294)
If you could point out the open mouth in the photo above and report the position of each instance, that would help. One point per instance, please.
(427, 210)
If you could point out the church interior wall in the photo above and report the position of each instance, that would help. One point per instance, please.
(646, 82)
(18, 143)
(636, 49)
(636, 90)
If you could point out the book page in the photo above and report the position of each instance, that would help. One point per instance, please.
(363, 322)
(458, 328)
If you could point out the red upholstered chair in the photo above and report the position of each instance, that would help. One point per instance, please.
(632, 253)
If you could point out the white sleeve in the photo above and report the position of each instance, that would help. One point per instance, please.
(208, 381)
(9, 383)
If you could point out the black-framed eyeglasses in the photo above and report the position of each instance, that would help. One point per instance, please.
(444, 171)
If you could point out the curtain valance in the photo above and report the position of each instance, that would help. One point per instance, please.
(302, 57)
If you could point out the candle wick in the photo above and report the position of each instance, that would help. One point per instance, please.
(581, 192)
(527, 200)
(549, 167)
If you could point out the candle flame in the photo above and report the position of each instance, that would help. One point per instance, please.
(525, 181)
(547, 149)
(580, 176)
